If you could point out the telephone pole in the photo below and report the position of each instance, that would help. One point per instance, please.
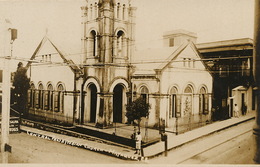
(256, 70)
(8, 35)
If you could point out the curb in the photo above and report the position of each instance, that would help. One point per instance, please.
(120, 155)
(169, 149)
(84, 146)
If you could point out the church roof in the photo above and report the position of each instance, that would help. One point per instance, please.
(147, 61)
(151, 60)
(66, 60)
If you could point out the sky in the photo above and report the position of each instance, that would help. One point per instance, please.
(212, 20)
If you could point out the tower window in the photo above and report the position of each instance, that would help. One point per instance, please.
(171, 42)
(121, 44)
(124, 11)
(93, 43)
(118, 10)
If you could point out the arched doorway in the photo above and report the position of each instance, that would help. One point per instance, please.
(118, 103)
(91, 104)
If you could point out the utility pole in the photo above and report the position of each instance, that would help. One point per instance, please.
(256, 70)
(5, 115)
(8, 36)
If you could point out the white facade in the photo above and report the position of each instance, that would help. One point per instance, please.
(112, 74)
(176, 78)
(53, 84)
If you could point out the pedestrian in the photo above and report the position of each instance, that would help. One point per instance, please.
(244, 109)
(138, 141)
(236, 111)
(213, 114)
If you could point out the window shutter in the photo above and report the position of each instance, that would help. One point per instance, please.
(37, 99)
(178, 109)
(46, 100)
(206, 111)
(61, 100)
(29, 97)
(41, 99)
(56, 101)
(33, 98)
(200, 104)
(51, 100)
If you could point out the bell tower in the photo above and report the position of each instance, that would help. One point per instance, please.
(108, 35)
(108, 29)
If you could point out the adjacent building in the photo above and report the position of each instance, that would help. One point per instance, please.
(231, 65)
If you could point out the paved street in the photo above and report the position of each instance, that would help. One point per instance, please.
(230, 146)
(193, 147)
(236, 151)
(30, 149)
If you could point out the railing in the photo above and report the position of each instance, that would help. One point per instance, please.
(188, 123)
(50, 116)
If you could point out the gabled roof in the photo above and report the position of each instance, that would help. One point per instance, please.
(148, 61)
(67, 61)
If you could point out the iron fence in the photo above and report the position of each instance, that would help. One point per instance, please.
(189, 123)
(50, 116)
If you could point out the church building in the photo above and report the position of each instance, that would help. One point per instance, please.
(173, 79)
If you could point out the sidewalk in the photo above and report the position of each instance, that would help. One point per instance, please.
(175, 141)
(150, 151)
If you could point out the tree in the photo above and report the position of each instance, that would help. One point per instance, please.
(21, 85)
(136, 110)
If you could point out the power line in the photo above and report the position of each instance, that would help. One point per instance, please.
(137, 62)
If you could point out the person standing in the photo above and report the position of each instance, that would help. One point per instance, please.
(138, 142)
(244, 109)
(236, 110)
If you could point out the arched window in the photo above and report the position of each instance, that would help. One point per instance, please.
(203, 101)
(124, 11)
(121, 44)
(40, 96)
(144, 92)
(59, 99)
(118, 10)
(93, 43)
(96, 10)
(91, 11)
(49, 98)
(188, 89)
(188, 92)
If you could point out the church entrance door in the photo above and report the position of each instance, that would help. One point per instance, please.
(90, 106)
(118, 103)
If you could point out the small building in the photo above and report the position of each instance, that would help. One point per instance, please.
(241, 96)
(231, 65)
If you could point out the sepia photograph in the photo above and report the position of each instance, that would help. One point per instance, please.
(129, 82)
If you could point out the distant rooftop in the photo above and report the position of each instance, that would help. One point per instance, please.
(233, 44)
(179, 32)
(241, 41)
